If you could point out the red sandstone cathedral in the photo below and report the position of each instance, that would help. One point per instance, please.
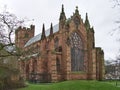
(66, 51)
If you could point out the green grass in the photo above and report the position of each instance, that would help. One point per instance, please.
(74, 85)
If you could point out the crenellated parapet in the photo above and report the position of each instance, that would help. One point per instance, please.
(32, 28)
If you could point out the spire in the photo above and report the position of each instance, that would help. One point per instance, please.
(43, 33)
(51, 29)
(62, 14)
(62, 8)
(87, 24)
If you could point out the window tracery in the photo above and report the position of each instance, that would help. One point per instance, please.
(77, 53)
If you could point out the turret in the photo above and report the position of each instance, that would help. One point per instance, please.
(51, 30)
(43, 36)
(62, 18)
(87, 24)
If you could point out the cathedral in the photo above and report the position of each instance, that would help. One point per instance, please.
(65, 51)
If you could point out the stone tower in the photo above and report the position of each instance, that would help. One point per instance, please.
(23, 34)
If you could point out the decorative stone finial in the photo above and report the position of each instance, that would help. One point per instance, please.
(76, 11)
(77, 7)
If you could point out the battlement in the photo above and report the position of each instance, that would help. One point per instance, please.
(32, 27)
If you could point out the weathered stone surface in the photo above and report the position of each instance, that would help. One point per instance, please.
(41, 56)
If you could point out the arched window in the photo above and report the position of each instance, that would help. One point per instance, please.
(34, 67)
(58, 64)
(77, 53)
(56, 43)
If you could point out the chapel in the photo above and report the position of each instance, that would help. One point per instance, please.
(65, 51)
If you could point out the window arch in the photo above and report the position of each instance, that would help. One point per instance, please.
(77, 52)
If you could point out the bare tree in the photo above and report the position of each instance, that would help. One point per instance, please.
(8, 24)
(116, 31)
(112, 66)
(116, 3)
(8, 52)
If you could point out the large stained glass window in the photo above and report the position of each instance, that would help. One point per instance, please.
(77, 52)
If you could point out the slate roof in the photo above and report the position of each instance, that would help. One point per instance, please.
(38, 37)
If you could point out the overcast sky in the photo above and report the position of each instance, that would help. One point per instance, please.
(101, 16)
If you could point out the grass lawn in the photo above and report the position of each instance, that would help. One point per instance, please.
(74, 85)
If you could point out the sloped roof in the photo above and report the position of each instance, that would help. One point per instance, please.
(38, 37)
